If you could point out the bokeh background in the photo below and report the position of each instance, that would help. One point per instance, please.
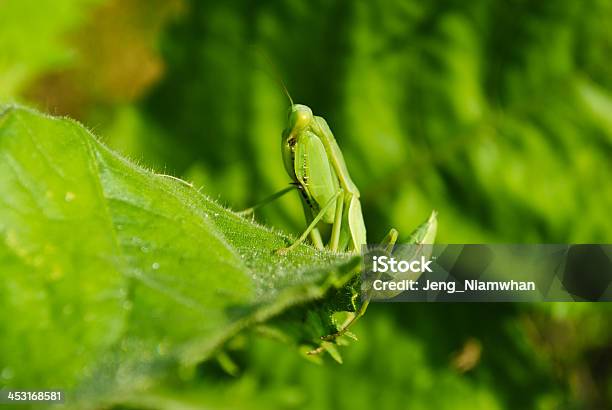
(498, 114)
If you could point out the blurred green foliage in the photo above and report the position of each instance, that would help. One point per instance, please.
(498, 114)
(31, 40)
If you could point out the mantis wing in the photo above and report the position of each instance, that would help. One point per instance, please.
(314, 174)
(355, 224)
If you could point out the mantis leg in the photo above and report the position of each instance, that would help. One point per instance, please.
(315, 237)
(315, 234)
(335, 234)
(313, 224)
(265, 201)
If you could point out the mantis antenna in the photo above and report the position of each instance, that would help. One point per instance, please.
(273, 72)
(285, 90)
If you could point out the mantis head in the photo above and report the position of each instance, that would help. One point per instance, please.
(300, 117)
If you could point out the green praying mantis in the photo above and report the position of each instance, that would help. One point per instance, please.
(316, 166)
(315, 163)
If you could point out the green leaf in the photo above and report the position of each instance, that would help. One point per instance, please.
(114, 274)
